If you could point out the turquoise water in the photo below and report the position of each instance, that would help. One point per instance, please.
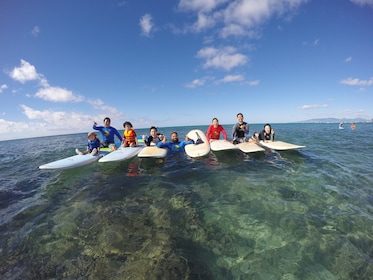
(304, 214)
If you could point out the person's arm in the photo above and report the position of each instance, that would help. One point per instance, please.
(208, 133)
(247, 128)
(261, 136)
(118, 135)
(136, 140)
(224, 133)
(162, 145)
(184, 143)
(234, 131)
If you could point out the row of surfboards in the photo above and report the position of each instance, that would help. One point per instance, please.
(192, 150)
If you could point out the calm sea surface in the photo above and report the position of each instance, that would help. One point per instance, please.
(304, 214)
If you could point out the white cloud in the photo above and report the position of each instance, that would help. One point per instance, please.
(57, 94)
(232, 78)
(254, 83)
(146, 24)
(200, 5)
(363, 2)
(357, 82)
(26, 72)
(348, 59)
(203, 22)
(3, 87)
(100, 105)
(35, 31)
(314, 106)
(57, 119)
(237, 17)
(196, 83)
(7, 127)
(225, 58)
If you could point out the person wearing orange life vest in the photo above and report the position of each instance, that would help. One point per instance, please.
(129, 136)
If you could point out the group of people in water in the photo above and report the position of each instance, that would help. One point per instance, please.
(240, 134)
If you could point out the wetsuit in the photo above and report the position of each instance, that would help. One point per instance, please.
(214, 132)
(264, 136)
(151, 140)
(238, 134)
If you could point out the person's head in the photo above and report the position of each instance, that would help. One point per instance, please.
(153, 131)
(91, 136)
(267, 128)
(174, 137)
(127, 125)
(240, 117)
(107, 121)
(215, 122)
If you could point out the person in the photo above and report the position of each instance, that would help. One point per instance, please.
(214, 130)
(93, 145)
(107, 133)
(129, 136)
(353, 126)
(240, 129)
(267, 134)
(255, 137)
(154, 137)
(174, 145)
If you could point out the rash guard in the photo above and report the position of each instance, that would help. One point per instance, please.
(107, 133)
(214, 132)
(174, 146)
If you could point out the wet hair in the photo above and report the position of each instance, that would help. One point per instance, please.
(107, 118)
(268, 125)
(127, 123)
(215, 119)
(239, 114)
(153, 127)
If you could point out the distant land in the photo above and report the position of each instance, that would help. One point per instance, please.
(336, 120)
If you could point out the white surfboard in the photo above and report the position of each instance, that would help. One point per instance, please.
(152, 152)
(121, 153)
(222, 145)
(197, 150)
(249, 147)
(280, 145)
(71, 162)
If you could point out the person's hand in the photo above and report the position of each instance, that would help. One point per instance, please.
(94, 123)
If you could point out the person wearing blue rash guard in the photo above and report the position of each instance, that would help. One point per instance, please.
(107, 133)
(174, 145)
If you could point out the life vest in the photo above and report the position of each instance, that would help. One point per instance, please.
(130, 135)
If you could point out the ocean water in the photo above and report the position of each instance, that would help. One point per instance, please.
(305, 214)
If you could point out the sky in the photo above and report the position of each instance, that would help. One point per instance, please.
(65, 64)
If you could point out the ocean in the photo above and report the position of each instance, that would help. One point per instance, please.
(300, 214)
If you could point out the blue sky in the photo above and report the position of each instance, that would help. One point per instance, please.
(65, 64)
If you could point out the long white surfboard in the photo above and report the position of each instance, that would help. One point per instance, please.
(222, 145)
(152, 152)
(197, 150)
(71, 162)
(249, 147)
(121, 153)
(280, 145)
